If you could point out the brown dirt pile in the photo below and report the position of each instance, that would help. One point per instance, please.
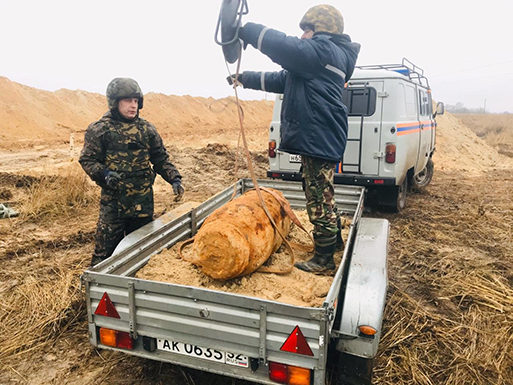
(495, 129)
(459, 149)
(29, 116)
(297, 288)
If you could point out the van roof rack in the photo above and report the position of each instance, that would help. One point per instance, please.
(406, 68)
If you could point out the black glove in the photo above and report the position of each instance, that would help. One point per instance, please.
(231, 80)
(112, 179)
(178, 190)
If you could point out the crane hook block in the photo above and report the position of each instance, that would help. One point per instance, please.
(230, 21)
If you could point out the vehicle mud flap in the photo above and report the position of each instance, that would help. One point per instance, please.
(348, 369)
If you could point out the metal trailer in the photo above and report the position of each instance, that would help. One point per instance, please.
(236, 335)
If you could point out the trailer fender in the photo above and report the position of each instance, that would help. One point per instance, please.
(366, 287)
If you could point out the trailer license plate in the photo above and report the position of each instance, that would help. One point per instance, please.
(203, 353)
(294, 158)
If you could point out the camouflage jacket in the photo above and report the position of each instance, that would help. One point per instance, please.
(130, 149)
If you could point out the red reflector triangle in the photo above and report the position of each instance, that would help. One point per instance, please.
(296, 343)
(106, 307)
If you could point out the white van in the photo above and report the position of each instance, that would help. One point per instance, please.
(391, 135)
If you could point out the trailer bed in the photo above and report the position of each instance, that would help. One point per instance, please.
(206, 329)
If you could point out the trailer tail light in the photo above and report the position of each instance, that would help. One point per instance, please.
(290, 375)
(299, 376)
(272, 149)
(390, 153)
(106, 307)
(296, 343)
(116, 339)
(278, 372)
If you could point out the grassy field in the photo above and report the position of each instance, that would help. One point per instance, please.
(495, 129)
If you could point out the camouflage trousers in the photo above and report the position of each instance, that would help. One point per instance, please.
(111, 229)
(319, 189)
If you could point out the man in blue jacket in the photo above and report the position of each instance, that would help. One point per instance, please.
(313, 117)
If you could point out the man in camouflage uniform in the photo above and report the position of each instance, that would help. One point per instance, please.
(313, 117)
(118, 153)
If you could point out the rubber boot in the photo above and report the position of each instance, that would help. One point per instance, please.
(323, 258)
(340, 241)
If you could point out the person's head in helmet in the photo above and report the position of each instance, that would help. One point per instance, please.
(322, 18)
(125, 97)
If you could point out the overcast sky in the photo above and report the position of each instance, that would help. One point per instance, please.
(168, 46)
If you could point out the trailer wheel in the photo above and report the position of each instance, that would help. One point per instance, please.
(423, 178)
(352, 370)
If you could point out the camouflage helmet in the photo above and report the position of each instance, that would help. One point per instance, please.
(123, 88)
(323, 18)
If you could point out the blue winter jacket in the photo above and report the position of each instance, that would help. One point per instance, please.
(313, 117)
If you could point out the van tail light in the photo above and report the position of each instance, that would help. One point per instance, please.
(390, 153)
(116, 339)
(272, 149)
(290, 375)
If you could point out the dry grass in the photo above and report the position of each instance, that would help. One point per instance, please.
(50, 197)
(449, 318)
(40, 297)
(40, 305)
(495, 129)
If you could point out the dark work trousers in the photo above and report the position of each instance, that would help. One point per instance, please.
(110, 233)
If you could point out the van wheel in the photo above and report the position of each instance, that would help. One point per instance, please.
(423, 178)
(400, 200)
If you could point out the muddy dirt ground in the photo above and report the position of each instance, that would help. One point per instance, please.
(457, 224)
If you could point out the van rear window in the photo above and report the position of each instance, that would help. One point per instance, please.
(360, 101)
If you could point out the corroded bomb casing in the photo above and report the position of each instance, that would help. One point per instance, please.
(236, 239)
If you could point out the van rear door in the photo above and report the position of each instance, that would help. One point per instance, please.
(364, 101)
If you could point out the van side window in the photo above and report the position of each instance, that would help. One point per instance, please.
(421, 103)
(411, 102)
(401, 102)
(360, 101)
(424, 103)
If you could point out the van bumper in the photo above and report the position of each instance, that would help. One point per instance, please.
(348, 179)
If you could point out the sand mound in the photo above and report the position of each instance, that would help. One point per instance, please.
(460, 149)
(29, 116)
